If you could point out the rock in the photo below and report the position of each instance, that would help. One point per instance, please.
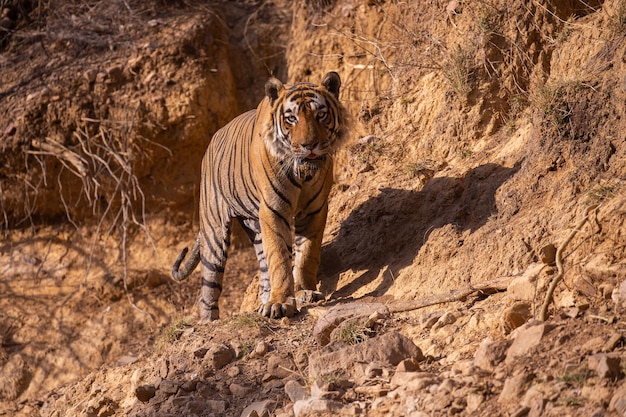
(324, 390)
(614, 339)
(168, 387)
(413, 381)
(389, 349)
(408, 365)
(618, 401)
(164, 368)
(200, 353)
(233, 371)
(342, 312)
(606, 366)
(428, 320)
(315, 406)
(527, 338)
(548, 254)
(490, 354)
(115, 74)
(446, 319)
(126, 360)
(584, 286)
(513, 387)
(145, 392)
(593, 345)
(261, 349)
(190, 385)
(260, 408)
(524, 287)
(378, 390)
(473, 401)
(219, 356)
(295, 391)
(535, 400)
(279, 367)
(514, 316)
(239, 390)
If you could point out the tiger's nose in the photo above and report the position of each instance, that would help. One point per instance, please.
(309, 146)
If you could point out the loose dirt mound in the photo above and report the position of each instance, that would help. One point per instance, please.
(488, 131)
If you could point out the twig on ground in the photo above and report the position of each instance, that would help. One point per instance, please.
(543, 314)
(487, 287)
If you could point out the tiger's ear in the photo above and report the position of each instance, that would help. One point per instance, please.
(332, 82)
(273, 87)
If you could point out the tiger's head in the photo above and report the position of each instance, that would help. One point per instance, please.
(308, 122)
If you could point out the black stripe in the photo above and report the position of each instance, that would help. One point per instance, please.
(211, 284)
(276, 190)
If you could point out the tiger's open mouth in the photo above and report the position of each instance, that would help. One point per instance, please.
(311, 158)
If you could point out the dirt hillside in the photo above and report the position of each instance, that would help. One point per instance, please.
(489, 162)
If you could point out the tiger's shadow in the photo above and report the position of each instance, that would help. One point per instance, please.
(387, 231)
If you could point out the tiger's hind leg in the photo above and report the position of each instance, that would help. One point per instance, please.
(213, 254)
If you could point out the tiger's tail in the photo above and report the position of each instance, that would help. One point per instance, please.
(190, 265)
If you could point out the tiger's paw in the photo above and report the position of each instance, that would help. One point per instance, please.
(308, 296)
(278, 310)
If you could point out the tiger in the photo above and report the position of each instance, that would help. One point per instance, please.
(271, 169)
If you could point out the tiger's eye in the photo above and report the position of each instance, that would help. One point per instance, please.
(291, 119)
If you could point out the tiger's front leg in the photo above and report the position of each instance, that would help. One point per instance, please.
(309, 233)
(277, 245)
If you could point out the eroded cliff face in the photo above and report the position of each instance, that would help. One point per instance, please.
(487, 131)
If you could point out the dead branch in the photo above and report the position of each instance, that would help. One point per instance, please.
(487, 287)
(52, 148)
(543, 314)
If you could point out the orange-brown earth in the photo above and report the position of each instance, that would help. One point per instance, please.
(488, 129)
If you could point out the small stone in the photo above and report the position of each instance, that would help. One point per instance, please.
(126, 360)
(473, 401)
(604, 365)
(168, 387)
(164, 368)
(446, 319)
(200, 353)
(428, 320)
(490, 354)
(145, 392)
(613, 341)
(219, 356)
(115, 74)
(233, 371)
(279, 367)
(378, 390)
(190, 385)
(316, 406)
(528, 337)
(295, 391)
(513, 387)
(584, 286)
(408, 365)
(239, 390)
(90, 75)
(548, 254)
(514, 316)
(618, 401)
(261, 348)
(324, 390)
